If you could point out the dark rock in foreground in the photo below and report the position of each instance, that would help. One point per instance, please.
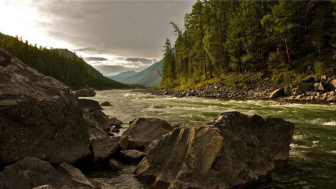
(39, 116)
(103, 148)
(89, 92)
(35, 173)
(142, 131)
(233, 151)
(114, 165)
(132, 156)
(73, 177)
(29, 173)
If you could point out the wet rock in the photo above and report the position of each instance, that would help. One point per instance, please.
(143, 131)
(89, 92)
(114, 121)
(321, 86)
(288, 91)
(123, 142)
(115, 165)
(301, 88)
(277, 93)
(73, 177)
(95, 118)
(115, 130)
(103, 148)
(39, 116)
(333, 83)
(29, 173)
(316, 86)
(331, 99)
(110, 133)
(89, 105)
(234, 151)
(132, 156)
(298, 97)
(105, 104)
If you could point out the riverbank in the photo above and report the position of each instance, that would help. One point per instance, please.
(322, 89)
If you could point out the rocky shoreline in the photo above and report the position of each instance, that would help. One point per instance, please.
(48, 135)
(322, 89)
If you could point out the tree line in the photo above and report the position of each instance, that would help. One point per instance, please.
(281, 39)
(70, 70)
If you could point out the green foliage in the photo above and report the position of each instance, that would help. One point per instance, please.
(284, 40)
(67, 68)
(319, 68)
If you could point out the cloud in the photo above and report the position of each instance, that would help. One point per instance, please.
(124, 28)
(95, 59)
(84, 49)
(110, 70)
(143, 60)
(105, 32)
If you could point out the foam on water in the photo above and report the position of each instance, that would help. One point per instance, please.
(331, 123)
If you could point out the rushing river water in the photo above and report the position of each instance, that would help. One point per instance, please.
(312, 162)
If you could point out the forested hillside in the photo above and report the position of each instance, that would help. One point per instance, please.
(71, 70)
(283, 40)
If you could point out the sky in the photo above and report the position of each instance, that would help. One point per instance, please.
(111, 35)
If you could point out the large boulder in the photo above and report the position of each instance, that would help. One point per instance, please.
(98, 121)
(104, 148)
(277, 93)
(234, 151)
(73, 177)
(303, 87)
(89, 105)
(132, 156)
(39, 116)
(331, 86)
(29, 173)
(142, 131)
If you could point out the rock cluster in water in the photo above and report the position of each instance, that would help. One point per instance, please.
(310, 89)
(43, 124)
(233, 151)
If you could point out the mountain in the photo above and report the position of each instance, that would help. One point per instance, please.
(62, 65)
(149, 77)
(122, 75)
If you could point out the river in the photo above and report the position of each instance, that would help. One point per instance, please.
(312, 162)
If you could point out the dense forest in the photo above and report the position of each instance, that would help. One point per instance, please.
(59, 64)
(282, 40)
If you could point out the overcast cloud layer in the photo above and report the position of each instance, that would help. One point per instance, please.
(128, 35)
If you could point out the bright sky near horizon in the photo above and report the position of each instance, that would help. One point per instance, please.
(112, 35)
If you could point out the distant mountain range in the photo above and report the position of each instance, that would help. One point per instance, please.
(122, 75)
(149, 77)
